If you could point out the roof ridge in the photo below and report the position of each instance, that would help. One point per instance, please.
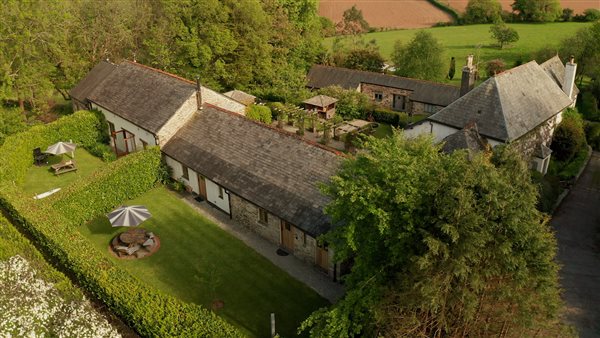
(391, 75)
(501, 108)
(160, 71)
(282, 132)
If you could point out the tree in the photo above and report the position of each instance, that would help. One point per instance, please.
(567, 14)
(503, 34)
(537, 10)
(351, 104)
(421, 58)
(482, 11)
(368, 59)
(442, 245)
(495, 66)
(569, 136)
(452, 69)
(352, 23)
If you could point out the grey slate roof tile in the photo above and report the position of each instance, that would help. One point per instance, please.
(85, 87)
(142, 95)
(556, 70)
(272, 169)
(434, 93)
(509, 105)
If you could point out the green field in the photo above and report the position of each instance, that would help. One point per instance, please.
(475, 39)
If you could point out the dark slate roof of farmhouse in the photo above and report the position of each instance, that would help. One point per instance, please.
(275, 170)
(507, 106)
(438, 94)
(320, 101)
(467, 138)
(556, 70)
(142, 95)
(85, 87)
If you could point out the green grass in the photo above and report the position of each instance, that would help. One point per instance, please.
(475, 39)
(383, 130)
(42, 178)
(198, 262)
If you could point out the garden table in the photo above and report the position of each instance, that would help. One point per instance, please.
(133, 236)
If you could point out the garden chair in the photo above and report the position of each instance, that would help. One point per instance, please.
(148, 242)
(39, 157)
(133, 249)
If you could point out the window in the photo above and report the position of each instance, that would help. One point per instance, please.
(220, 192)
(378, 96)
(184, 172)
(263, 216)
(111, 127)
(144, 144)
(429, 108)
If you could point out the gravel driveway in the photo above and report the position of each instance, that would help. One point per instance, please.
(577, 225)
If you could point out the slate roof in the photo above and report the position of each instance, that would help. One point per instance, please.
(142, 95)
(274, 170)
(433, 93)
(91, 81)
(320, 101)
(466, 138)
(241, 97)
(507, 106)
(556, 70)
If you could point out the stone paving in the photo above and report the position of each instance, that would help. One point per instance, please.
(304, 272)
(577, 225)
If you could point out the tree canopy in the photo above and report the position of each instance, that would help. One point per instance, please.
(537, 10)
(441, 245)
(421, 58)
(482, 11)
(503, 34)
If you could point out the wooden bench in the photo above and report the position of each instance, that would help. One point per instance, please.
(64, 167)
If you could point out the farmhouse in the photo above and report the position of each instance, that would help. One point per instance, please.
(521, 106)
(261, 177)
(389, 91)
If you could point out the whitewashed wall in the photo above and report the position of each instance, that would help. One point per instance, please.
(120, 123)
(439, 131)
(217, 99)
(181, 116)
(212, 189)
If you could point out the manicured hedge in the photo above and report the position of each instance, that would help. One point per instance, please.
(81, 127)
(119, 181)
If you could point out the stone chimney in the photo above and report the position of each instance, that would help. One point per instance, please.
(198, 93)
(569, 80)
(467, 81)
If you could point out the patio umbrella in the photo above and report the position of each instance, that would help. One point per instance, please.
(61, 148)
(128, 216)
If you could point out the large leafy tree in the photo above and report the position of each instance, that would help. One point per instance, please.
(421, 58)
(503, 34)
(537, 10)
(482, 11)
(441, 245)
(368, 59)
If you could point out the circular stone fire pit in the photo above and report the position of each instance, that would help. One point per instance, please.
(134, 243)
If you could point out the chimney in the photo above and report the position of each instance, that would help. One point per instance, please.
(467, 81)
(198, 93)
(569, 81)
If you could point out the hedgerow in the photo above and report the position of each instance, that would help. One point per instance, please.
(81, 128)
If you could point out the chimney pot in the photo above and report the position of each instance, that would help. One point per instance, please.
(198, 93)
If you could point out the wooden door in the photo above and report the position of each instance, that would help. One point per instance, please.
(287, 236)
(201, 186)
(322, 258)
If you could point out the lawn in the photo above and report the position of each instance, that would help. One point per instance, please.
(198, 262)
(475, 39)
(42, 178)
(383, 130)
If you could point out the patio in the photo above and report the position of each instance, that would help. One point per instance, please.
(199, 262)
(42, 178)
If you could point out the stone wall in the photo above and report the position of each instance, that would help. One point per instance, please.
(217, 99)
(529, 142)
(388, 95)
(419, 108)
(177, 120)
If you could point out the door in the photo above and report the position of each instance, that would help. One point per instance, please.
(322, 259)
(399, 102)
(201, 186)
(287, 236)
(124, 142)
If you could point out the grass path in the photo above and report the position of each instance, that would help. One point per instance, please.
(475, 39)
(199, 262)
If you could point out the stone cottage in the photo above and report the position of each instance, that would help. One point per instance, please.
(521, 106)
(393, 92)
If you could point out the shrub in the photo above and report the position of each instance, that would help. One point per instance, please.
(259, 113)
(549, 188)
(482, 11)
(588, 106)
(102, 151)
(81, 128)
(12, 121)
(592, 134)
(591, 14)
(495, 66)
(386, 116)
(351, 104)
(569, 137)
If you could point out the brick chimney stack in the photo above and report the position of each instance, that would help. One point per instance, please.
(569, 81)
(198, 93)
(467, 81)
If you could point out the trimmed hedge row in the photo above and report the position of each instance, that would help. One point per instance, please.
(119, 181)
(81, 127)
(150, 312)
